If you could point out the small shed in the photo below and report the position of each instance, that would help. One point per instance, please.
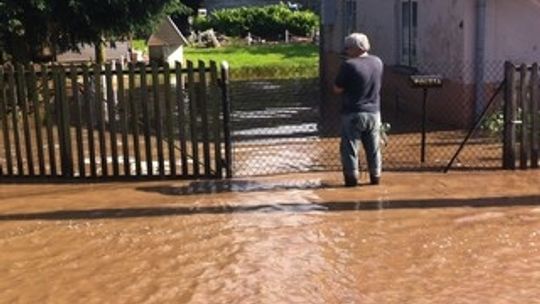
(166, 44)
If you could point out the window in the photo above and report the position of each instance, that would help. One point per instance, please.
(349, 20)
(409, 29)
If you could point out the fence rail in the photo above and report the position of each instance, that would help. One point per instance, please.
(113, 122)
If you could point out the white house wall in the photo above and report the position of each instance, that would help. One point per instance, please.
(513, 30)
(441, 30)
(441, 42)
(175, 53)
(469, 31)
(378, 20)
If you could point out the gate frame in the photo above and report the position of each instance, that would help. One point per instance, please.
(521, 93)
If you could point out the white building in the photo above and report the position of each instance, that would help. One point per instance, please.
(466, 41)
(166, 44)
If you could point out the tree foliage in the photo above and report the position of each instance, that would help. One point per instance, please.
(181, 17)
(27, 26)
(23, 26)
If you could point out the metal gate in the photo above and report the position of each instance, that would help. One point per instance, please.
(114, 122)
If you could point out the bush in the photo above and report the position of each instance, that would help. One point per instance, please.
(267, 22)
(493, 124)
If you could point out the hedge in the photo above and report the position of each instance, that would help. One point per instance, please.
(268, 22)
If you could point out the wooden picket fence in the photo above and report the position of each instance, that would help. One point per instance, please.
(521, 116)
(114, 122)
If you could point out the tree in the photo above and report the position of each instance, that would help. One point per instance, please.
(29, 25)
(23, 27)
(96, 22)
(181, 17)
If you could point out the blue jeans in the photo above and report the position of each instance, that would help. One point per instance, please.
(364, 127)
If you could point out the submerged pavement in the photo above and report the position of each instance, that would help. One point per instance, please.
(462, 237)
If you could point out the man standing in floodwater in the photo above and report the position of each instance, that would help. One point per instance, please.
(359, 80)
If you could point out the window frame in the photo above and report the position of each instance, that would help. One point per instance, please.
(408, 28)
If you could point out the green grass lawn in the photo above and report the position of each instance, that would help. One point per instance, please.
(279, 55)
(255, 56)
(246, 62)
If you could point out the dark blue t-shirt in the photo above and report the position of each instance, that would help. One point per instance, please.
(361, 79)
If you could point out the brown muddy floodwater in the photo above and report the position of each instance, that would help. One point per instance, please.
(471, 238)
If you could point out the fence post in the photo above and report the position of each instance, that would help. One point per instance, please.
(202, 104)
(193, 118)
(33, 97)
(89, 107)
(123, 106)
(524, 148)
(180, 99)
(15, 119)
(157, 114)
(66, 123)
(100, 115)
(535, 117)
(78, 118)
(23, 107)
(49, 107)
(5, 124)
(146, 120)
(63, 122)
(111, 105)
(509, 133)
(226, 105)
(134, 119)
(169, 119)
(216, 120)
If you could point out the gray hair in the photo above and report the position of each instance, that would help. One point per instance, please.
(357, 41)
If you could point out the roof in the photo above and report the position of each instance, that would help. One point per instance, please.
(167, 34)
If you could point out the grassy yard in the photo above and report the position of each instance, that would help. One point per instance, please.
(255, 56)
(280, 55)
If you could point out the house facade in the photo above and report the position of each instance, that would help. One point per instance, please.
(409, 32)
(465, 41)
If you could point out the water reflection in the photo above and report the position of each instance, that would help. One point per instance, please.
(219, 186)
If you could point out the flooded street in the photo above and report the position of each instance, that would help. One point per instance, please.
(418, 238)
